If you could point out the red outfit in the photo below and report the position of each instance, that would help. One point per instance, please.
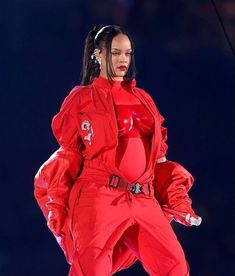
(106, 129)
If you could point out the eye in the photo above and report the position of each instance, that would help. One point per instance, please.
(128, 54)
(115, 53)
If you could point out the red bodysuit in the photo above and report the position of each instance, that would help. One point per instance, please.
(135, 127)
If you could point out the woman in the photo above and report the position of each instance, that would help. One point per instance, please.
(108, 193)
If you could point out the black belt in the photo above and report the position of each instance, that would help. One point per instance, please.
(136, 188)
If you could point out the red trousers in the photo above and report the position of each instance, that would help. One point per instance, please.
(113, 228)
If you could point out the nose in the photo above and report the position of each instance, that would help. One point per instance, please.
(123, 58)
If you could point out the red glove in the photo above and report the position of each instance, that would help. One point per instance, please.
(56, 218)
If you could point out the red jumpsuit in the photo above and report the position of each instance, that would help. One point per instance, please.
(114, 129)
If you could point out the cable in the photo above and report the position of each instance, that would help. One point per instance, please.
(223, 27)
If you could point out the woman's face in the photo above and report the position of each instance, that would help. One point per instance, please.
(120, 57)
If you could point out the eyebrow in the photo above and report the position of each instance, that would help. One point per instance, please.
(120, 50)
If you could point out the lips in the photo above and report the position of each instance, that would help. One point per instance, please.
(122, 68)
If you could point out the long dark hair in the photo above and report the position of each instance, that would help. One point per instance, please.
(101, 37)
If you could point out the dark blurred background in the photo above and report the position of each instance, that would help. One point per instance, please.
(183, 61)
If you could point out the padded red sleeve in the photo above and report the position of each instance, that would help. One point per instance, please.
(56, 176)
(171, 186)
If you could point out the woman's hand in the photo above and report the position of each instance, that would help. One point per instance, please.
(182, 214)
(187, 218)
(56, 218)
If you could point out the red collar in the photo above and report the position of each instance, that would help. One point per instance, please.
(107, 84)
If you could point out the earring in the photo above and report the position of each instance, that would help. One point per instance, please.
(97, 59)
(93, 56)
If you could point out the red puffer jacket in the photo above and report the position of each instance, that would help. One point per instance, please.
(86, 129)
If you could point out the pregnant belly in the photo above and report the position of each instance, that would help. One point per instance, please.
(131, 157)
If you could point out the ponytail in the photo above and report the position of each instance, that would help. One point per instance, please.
(90, 67)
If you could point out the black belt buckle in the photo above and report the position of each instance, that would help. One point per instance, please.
(136, 188)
